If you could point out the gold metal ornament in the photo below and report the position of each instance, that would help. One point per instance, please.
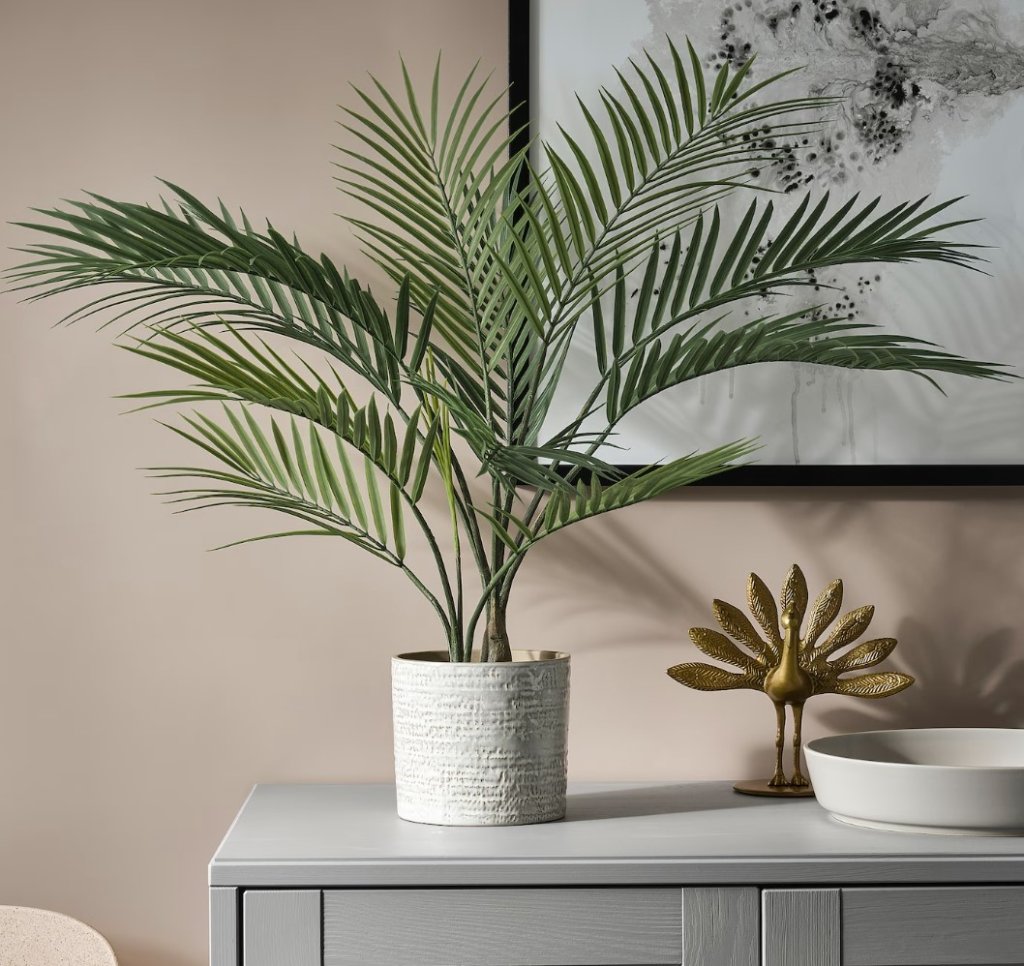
(788, 668)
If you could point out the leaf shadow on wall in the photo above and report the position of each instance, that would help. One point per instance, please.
(604, 556)
(813, 526)
(977, 685)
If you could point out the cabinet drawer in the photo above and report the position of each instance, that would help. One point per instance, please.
(503, 927)
(974, 926)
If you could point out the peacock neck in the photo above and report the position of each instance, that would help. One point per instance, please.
(790, 648)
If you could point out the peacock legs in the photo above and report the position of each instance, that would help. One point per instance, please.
(798, 778)
(779, 778)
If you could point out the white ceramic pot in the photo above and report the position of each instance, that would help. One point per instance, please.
(480, 744)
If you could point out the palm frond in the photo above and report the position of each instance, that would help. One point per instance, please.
(438, 192)
(655, 342)
(310, 476)
(496, 261)
(588, 499)
(190, 265)
(237, 366)
(245, 372)
(283, 469)
(515, 465)
(659, 165)
(651, 364)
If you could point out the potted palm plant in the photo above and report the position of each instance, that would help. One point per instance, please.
(497, 263)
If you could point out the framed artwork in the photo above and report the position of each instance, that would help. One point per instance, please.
(931, 103)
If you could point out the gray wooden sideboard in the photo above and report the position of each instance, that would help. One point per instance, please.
(636, 875)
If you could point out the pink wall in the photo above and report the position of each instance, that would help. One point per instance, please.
(146, 684)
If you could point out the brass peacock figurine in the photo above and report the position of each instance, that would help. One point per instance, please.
(788, 668)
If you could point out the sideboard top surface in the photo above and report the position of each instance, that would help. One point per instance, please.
(626, 834)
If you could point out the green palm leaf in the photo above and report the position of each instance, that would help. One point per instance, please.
(338, 408)
(439, 193)
(592, 498)
(193, 266)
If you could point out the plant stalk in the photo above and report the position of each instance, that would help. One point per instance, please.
(496, 642)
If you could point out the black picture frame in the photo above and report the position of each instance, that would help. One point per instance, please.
(521, 95)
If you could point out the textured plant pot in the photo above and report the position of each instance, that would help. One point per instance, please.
(480, 744)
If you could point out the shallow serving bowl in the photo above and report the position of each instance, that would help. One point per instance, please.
(951, 780)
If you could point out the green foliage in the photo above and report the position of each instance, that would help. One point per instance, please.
(495, 265)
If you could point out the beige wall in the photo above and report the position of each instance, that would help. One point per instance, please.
(146, 684)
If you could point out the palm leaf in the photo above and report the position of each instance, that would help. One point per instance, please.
(587, 500)
(193, 266)
(292, 489)
(495, 263)
(238, 370)
(438, 192)
(654, 365)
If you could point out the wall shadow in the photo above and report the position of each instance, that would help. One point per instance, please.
(630, 573)
(979, 684)
(644, 575)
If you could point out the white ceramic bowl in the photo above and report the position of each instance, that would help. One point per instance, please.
(951, 780)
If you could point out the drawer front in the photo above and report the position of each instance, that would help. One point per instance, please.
(800, 927)
(974, 926)
(224, 938)
(281, 927)
(503, 927)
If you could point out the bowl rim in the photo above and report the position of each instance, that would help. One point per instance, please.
(809, 748)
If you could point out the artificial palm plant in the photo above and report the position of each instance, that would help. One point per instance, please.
(499, 255)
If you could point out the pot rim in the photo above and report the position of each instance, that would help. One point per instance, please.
(442, 657)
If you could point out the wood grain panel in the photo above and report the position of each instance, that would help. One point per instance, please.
(800, 927)
(721, 927)
(281, 928)
(974, 926)
(502, 927)
(224, 950)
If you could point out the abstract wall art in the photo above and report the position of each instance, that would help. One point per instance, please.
(931, 103)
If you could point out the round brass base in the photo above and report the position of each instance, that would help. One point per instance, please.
(762, 787)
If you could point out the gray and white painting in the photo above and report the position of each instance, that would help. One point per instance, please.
(932, 103)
